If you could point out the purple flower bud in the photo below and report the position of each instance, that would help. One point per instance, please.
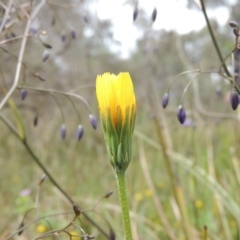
(135, 14)
(45, 56)
(93, 121)
(85, 18)
(63, 131)
(233, 24)
(73, 33)
(23, 93)
(165, 100)
(154, 14)
(79, 132)
(35, 121)
(63, 37)
(234, 99)
(181, 114)
(46, 45)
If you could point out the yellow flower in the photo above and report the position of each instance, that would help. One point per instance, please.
(41, 228)
(138, 197)
(117, 105)
(148, 192)
(115, 93)
(198, 203)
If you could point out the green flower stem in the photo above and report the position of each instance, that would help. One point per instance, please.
(120, 175)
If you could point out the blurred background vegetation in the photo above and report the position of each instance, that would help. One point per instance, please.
(183, 181)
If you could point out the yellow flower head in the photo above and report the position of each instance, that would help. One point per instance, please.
(41, 228)
(116, 94)
(117, 105)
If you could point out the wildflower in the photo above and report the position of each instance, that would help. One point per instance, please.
(181, 114)
(138, 197)
(23, 93)
(41, 228)
(198, 203)
(165, 100)
(63, 131)
(93, 121)
(79, 132)
(148, 192)
(117, 107)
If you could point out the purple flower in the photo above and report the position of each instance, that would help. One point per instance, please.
(234, 99)
(93, 121)
(23, 93)
(79, 132)
(25, 192)
(181, 114)
(165, 100)
(63, 131)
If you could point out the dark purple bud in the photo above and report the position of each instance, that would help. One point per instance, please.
(63, 37)
(35, 121)
(73, 33)
(23, 93)
(181, 114)
(85, 18)
(108, 194)
(112, 235)
(80, 132)
(63, 131)
(32, 30)
(46, 45)
(93, 121)
(135, 14)
(76, 209)
(165, 100)
(20, 227)
(154, 14)
(234, 98)
(233, 24)
(45, 56)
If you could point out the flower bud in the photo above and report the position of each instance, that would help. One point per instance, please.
(73, 33)
(93, 121)
(233, 24)
(165, 100)
(63, 37)
(79, 132)
(63, 131)
(23, 93)
(35, 121)
(46, 45)
(112, 235)
(45, 56)
(76, 209)
(108, 194)
(181, 114)
(42, 179)
(20, 227)
(135, 14)
(234, 99)
(154, 14)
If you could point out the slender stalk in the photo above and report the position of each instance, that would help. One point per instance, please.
(120, 176)
(214, 39)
